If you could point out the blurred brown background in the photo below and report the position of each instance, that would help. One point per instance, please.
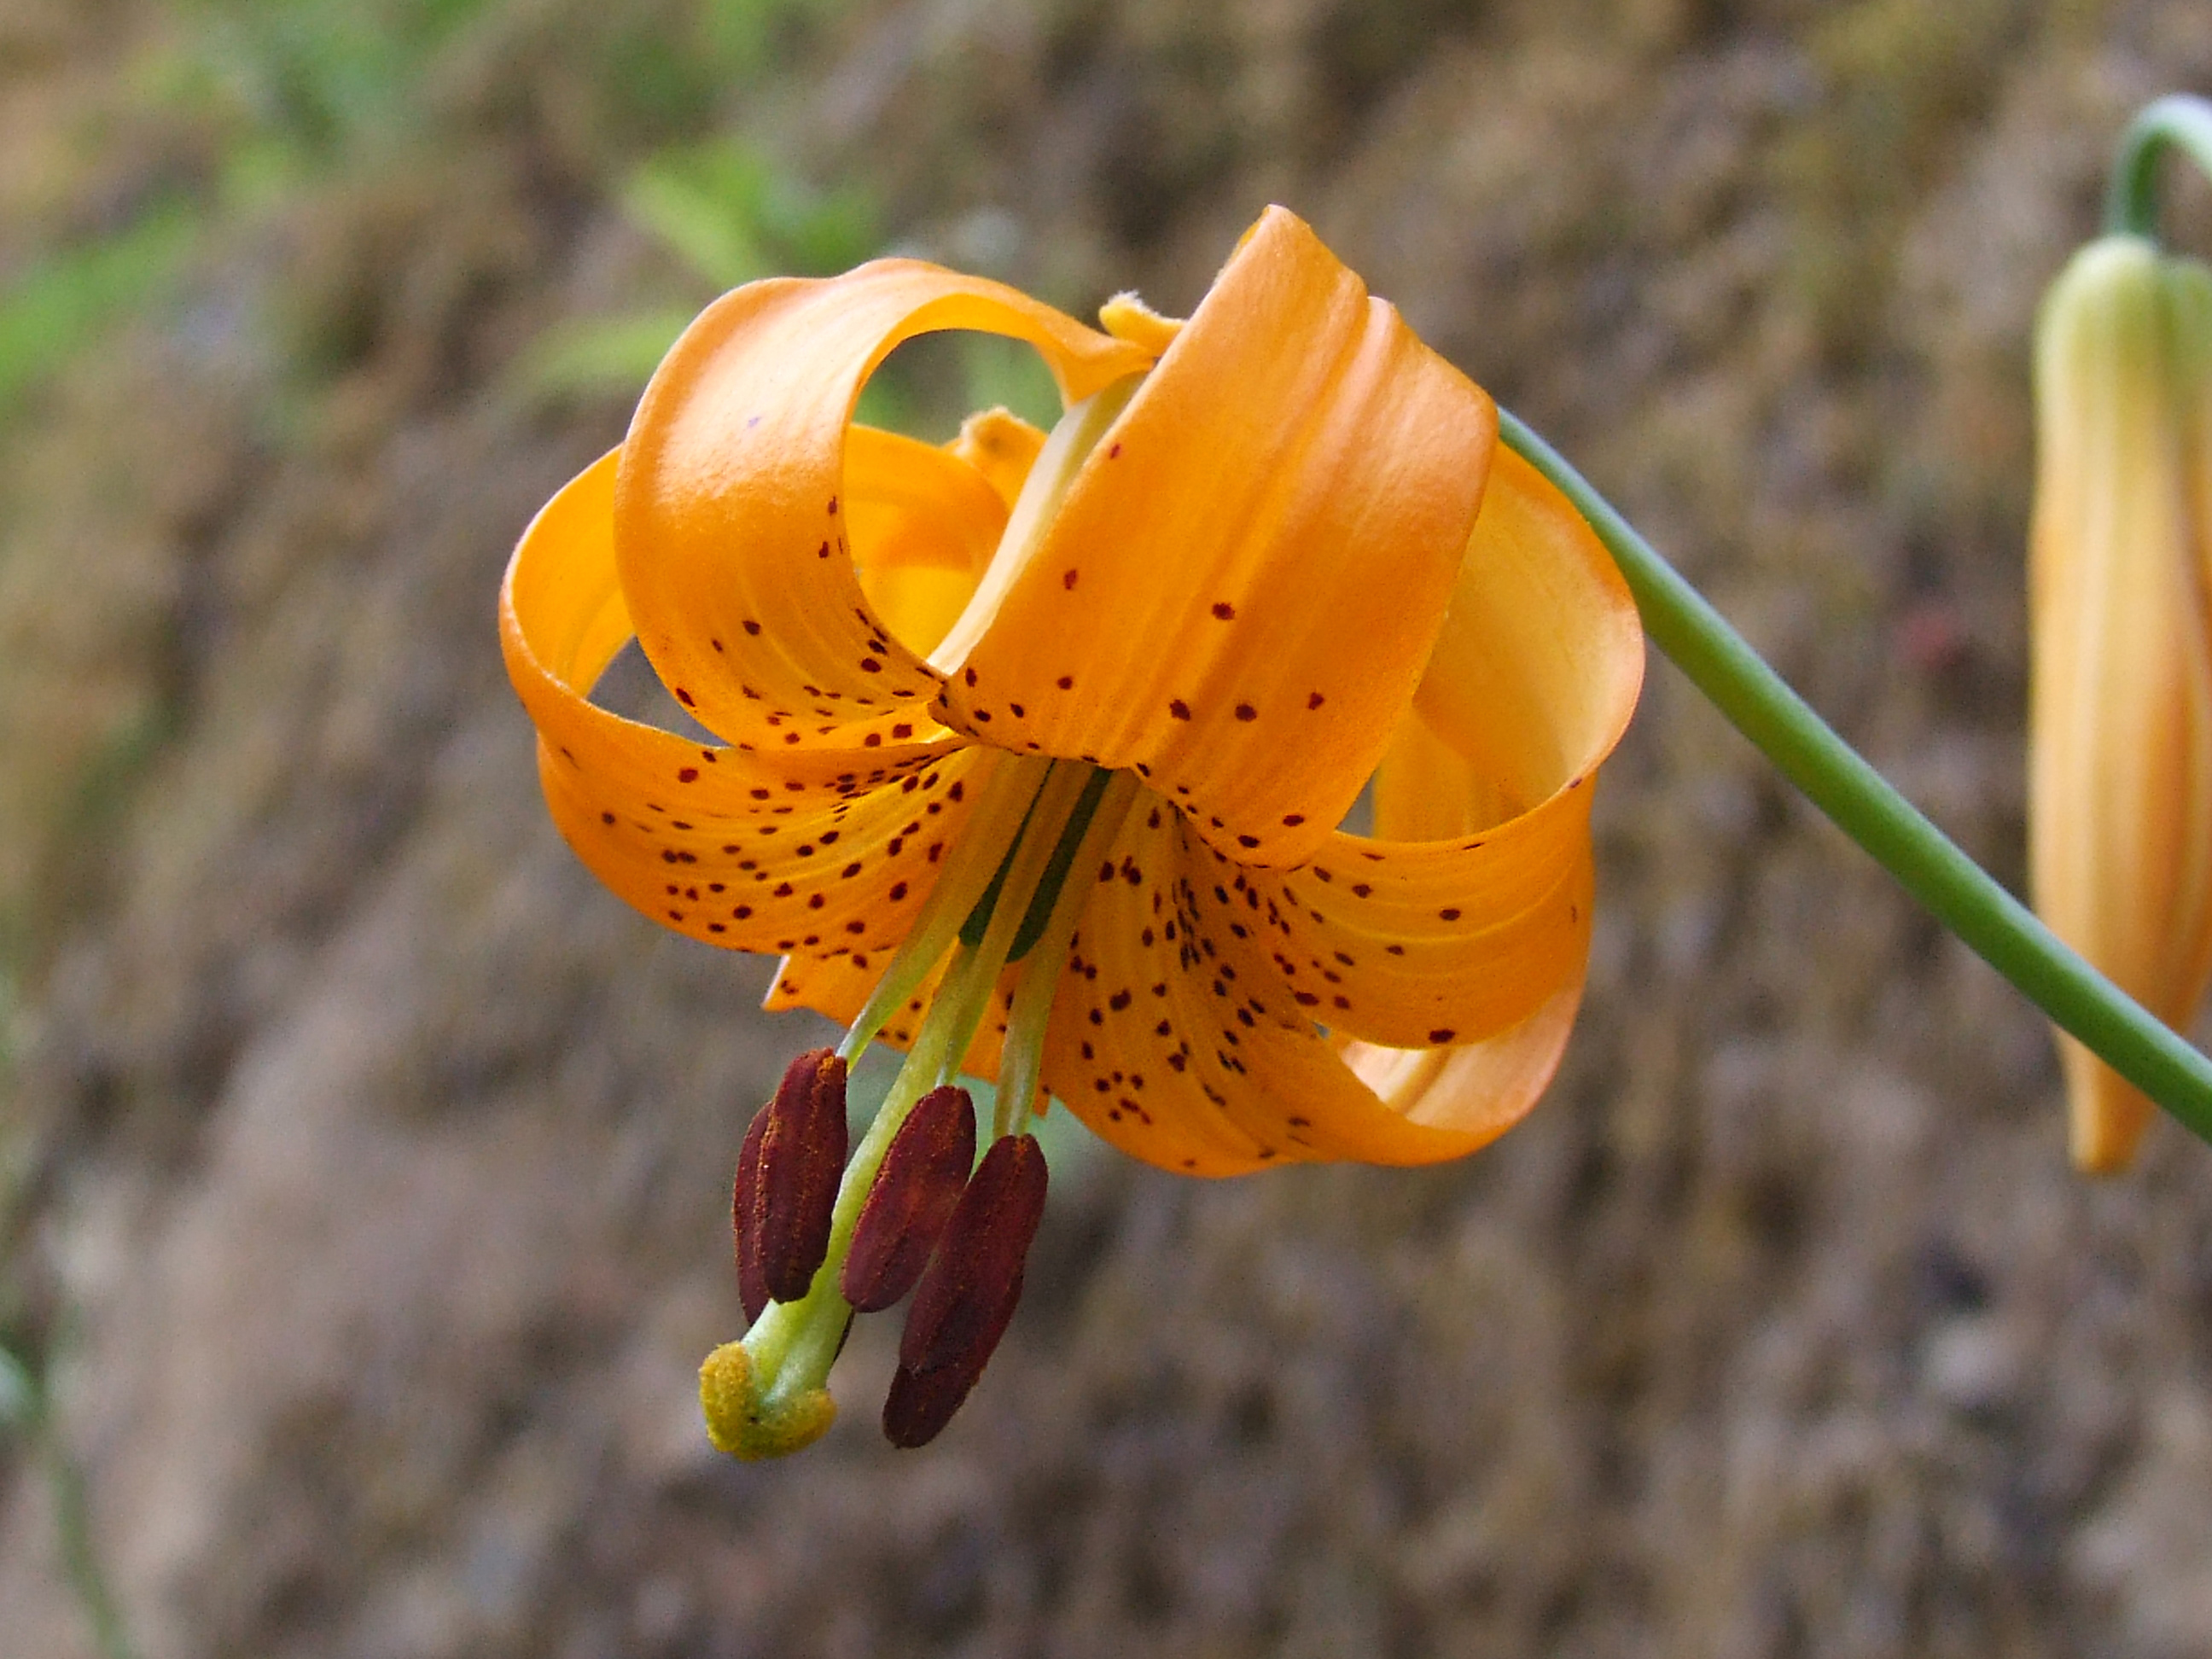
(365, 1164)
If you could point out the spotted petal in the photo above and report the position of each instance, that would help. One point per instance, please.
(1444, 956)
(811, 848)
(732, 520)
(1241, 586)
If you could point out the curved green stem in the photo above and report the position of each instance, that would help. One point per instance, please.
(1955, 890)
(2180, 121)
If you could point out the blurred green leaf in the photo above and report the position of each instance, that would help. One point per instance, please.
(19, 1392)
(733, 214)
(596, 356)
(60, 305)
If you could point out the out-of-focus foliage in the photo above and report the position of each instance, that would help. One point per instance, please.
(725, 209)
(64, 301)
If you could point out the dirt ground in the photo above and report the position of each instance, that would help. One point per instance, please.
(366, 1164)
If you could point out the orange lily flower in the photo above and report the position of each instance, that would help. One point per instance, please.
(1096, 703)
(2120, 775)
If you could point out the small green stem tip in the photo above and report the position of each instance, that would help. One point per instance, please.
(1835, 778)
(2180, 121)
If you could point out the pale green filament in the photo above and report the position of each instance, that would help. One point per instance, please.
(1022, 1055)
(968, 868)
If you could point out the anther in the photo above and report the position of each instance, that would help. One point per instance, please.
(912, 1199)
(786, 1214)
(744, 1198)
(967, 1294)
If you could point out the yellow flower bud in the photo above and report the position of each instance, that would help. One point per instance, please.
(2120, 725)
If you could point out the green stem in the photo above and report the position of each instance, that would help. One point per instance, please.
(1955, 890)
(2179, 121)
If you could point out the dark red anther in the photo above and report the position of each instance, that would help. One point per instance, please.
(745, 1197)
(967, 1296)
(912, 1199)
(802, 1155)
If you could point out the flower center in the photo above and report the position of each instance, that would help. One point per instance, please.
(1002, 898)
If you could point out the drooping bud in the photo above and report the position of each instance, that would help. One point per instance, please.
(744, 1201)
(2120, 728)
(795, 1189)
(913, 1198)
(969, 1292)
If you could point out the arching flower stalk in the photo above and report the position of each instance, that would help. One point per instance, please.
(1032, 749)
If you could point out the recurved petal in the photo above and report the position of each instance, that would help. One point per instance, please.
(733, 519)
(1170, 1049)
(1144, 1040)
(1245, 578)
(2120, 772)
(1470, 907)
(836, 875)
(760, 852)
(1537, 670)
(1476, 1090)
(562, 617)
(924, 522)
